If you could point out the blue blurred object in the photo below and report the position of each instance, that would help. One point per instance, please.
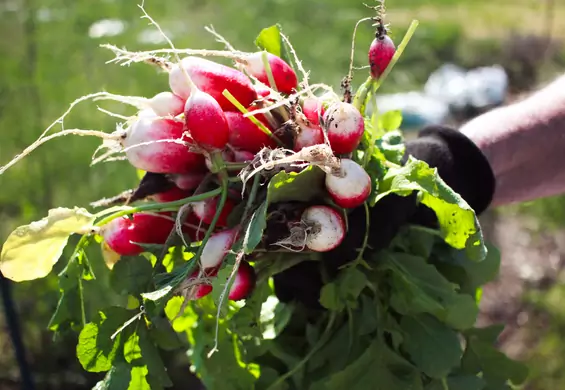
(449, 91)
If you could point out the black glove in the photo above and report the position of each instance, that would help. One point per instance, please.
(460, 164)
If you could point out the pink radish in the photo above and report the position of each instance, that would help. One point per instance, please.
(351, 187)
(313, 109)
(206, 121)
(203, 289)
(262, 91)
(145, 152)
(173, 194)
(327, 228)
(122, 233)
(246, 135)
(283, 75)
(206, 209)
(217, 248)
(344, 126)
(244, 282)
(212, 78)
(188, 181)
(308, 136)
(381, 51)
(167, 103)
(119, 236)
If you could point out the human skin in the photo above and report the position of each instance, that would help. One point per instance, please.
(525, 145)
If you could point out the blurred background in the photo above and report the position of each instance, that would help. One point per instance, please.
(466, 57)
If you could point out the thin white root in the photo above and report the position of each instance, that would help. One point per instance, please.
(41, 141)
(305, 74)
(113, 114)
(126, 57)
(349, 74)
(181, 214)
(138, 102)
(220, 38)
(296, 241)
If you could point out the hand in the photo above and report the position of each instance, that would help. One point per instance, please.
(460, 164)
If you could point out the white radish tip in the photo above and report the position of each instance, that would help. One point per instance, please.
(327, 228)
(351, 187)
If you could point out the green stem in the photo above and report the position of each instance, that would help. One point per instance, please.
(166, 206)
(315, 349)
(359, 259)
(251, 199)
(268, 70)
(252, 118)
(444, 384)
(235, 166)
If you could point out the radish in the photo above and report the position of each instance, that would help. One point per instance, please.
(119, 236)
(308, 136)
(201, 289)
(206, 209)
(160, 157)
(381, 51)
(344, 126)
(246, 135)
(205, 120)
(262, 91)
(327, 228)
(217, 248)
(171, 195)
(188, 181)
(153, 228)
(212, 78)
(283, 75)
(313, 109)
(244, 282)
(167, 103)
(351, 187)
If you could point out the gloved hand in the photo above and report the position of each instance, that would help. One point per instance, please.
(460, 164)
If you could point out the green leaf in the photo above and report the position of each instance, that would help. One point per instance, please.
(459, 383)
(139, 379)
(255, 228)
(458, 224)
(163, 334)
(462, 312)
(392, 146)
(181, 322)
(131, 275)
(96, 350)
(31, 250)
(390, 120)
(432, 346)
(345, 290)
(118, 378)
(300, 186)
(378, 367)
(484, 357)
(269, 39)
(369, 316)
(152, 358)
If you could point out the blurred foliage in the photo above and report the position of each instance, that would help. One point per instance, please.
(51, 56)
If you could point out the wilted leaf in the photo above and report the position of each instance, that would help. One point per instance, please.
(31, 250)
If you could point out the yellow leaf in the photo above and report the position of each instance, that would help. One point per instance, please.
(31, 250)
(110, 257)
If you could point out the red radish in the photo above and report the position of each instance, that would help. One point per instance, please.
(283, 75)
(344, 125)
(217, 248)
(313, 109)
(327, 228)
(262, 91)
(352, 187)
(188, 181)
(206, 121)
(160, 157)
(246, 135)
(173, 194)
(244, 282)
(243, 156)
(167, 103)
(308, 136)
(381, 51)
(206, 209)
(122, 234)
(202, 289)
(212, 78)
(119, 236)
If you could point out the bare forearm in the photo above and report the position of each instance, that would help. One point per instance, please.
(525, 145)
